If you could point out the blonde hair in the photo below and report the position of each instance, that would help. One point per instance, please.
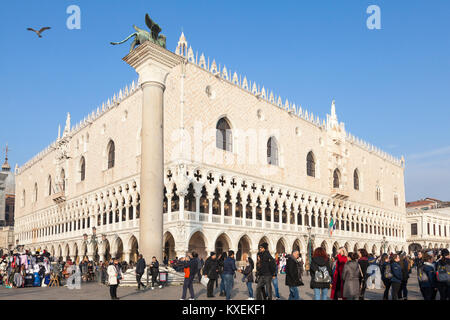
(244, 256)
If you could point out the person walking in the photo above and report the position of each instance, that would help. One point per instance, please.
(386, 275)
(404, 264)
(363, 265)
(190, 271)
(221, 261)
(211, 271)
(266, 272)
(293, 275)
(275, 279)
(229, 269)
(320, 271)
(337, 287)
(427, 278)
(397, 276)
(114, 276)
(140, 269)
(154, 271)
(200, 267)
(443, 275)
(247, 273)
(350, 277)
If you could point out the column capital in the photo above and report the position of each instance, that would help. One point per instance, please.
(152, 62)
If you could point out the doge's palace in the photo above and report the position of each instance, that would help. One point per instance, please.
(241, 166)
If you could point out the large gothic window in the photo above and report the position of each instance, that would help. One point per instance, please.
(49, 183)
(310, 165)
(111, 154)
(336, 178)
(82, 169)
(272, 151)
(63, 180)
(378, 194)
(356, 179)
(223, 135)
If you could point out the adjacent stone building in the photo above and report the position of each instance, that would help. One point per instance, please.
(7, 191)
(241, 167)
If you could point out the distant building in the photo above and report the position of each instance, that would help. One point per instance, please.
(427, 203)
(7, 197)
(428, 229)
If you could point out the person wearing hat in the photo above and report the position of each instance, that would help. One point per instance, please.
(266, 272)
(114, 276)
(211, 271)
(442, 267)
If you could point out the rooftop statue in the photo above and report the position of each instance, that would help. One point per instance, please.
(140, 36)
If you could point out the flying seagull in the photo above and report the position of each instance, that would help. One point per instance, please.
(39, 32)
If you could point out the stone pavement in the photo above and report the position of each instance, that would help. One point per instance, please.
(95, 291)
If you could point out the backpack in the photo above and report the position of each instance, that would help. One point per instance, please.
(421, 275)
(388, 272)
(322, 275)
(443, 273)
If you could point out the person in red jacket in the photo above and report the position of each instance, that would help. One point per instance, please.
(337, 287)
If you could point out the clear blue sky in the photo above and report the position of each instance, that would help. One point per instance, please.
(392, 86)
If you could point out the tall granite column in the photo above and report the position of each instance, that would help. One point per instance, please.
(153, 64)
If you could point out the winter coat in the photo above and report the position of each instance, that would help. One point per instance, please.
(383, 269)
(154, 268)
(211, 268)
(229, 266)
(350, 276)
(364, 264)
(140, 266)
(292, 274)
(112, 277)
(337, 276)
(248, 271)
(317, 262)
(396, 270)
(268, 265)
(193, 267)
(430, 270)
(404, 264)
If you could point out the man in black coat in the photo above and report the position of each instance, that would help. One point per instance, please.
(140, 268)
(265, 273)
(154, 270)
(293, 276)
(211, 270)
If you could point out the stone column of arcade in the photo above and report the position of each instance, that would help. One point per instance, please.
(153, 64)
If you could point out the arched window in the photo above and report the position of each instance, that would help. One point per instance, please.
(49, 183)
(356, 179)
(82, 169)
(378, 194)
(111, 154)
(396, 200)
(223, 135)
(272, 151)
(310, 164)
(336, 178)
(35, 194)
(63, 180)
(23, 198)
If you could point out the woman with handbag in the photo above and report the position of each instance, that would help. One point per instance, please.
(248, 274)
(114, 277)
(350, 277)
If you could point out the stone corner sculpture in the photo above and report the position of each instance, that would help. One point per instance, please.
(140, 36)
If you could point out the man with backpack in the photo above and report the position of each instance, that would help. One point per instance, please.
(443, 275)
(386, 275)
(427, 278)
(293, 275)
(266, 272)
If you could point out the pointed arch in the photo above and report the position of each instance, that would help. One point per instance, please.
(311, 164)
(111, 152)
(224, 136)
(272, 151)
(356, 179)
(336, 178)
(82, 169)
